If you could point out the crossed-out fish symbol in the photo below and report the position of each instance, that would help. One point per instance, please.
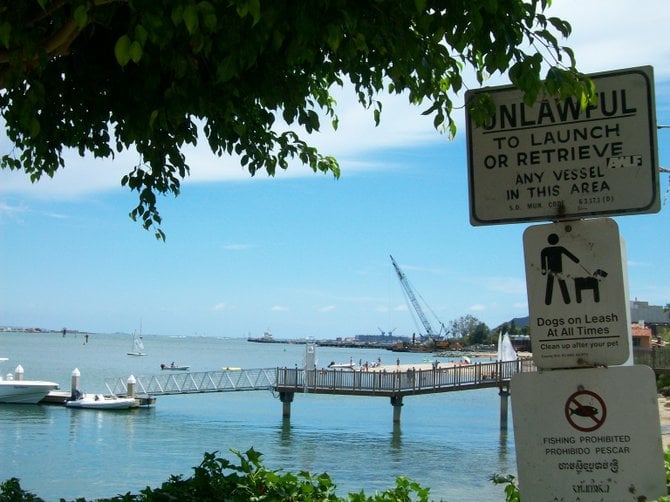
(584, 410)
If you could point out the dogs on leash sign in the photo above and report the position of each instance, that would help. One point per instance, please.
(577, 294)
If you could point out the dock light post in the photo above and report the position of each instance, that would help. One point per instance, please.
(74, 383)
(130, 386)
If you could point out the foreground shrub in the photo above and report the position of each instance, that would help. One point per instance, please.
(219, 479)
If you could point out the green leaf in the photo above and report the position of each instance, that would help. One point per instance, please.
(191, 18)
(80, 16)
(135, 51)
(5, 32)
(122, 50)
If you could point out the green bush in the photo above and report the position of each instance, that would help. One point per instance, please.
(219, 479)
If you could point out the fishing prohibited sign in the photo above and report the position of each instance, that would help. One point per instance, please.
(588, 434)
(577, 294)
(585, 410)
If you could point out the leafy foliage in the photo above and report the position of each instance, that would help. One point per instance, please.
(219, 479)
(464, 326)
(104, 76)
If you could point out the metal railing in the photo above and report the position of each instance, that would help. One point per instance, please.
(327, 381)
(391, 383)
(657, 358)
(197, 382)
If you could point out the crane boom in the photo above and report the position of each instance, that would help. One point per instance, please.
(412, 298)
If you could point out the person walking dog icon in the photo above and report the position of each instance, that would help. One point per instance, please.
(551, 259)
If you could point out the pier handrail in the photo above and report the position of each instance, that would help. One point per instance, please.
(197, 382)
(395, 383)
(328, 381)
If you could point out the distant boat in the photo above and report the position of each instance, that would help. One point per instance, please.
(341, 366)
(138, 346)
(506, 350)
(24, 391)
(102, 402)
(174, 367)
(266, 338)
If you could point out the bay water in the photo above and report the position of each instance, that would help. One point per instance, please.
(450, 442)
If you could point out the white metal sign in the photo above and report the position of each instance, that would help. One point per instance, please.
(588, 435)
(553, 161)
(577, 294)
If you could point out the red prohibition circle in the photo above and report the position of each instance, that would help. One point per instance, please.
(585, 411)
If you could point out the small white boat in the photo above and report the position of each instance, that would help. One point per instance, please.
(102, 402)
(342, 366)
(23, 391)
(138, 346)
(174, 367)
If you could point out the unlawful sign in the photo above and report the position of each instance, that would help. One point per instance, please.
(577, 294)
(553, 161)
(588, 435)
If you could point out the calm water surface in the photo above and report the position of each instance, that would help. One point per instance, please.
(449, 442)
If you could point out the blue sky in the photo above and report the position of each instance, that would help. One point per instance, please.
(303, 254)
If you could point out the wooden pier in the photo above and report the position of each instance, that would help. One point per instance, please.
(391, 382)
(396, 385)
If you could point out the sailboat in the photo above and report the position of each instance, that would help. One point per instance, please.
(138, 346)
(506, 350)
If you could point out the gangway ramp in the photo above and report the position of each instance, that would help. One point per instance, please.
(197, 382)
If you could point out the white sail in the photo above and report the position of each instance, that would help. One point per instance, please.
(138, 346)
(506, 350)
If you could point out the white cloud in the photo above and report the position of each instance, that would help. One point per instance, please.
(237, 247)
(279, 308)
(614, 34)
(327, 308)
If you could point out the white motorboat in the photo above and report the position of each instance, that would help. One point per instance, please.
(174, 367)
(21, 391)
(342, 366)
(102, 402)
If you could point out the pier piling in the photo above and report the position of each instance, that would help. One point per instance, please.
(396, 402)
(286, 398)
(504, 404)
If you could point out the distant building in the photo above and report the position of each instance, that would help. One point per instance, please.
(642, 335)
(650, 316)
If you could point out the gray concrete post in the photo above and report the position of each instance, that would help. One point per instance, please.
(396, 402)
(504, 400)
(286, 398)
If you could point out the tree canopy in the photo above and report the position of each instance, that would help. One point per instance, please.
(104, 76)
